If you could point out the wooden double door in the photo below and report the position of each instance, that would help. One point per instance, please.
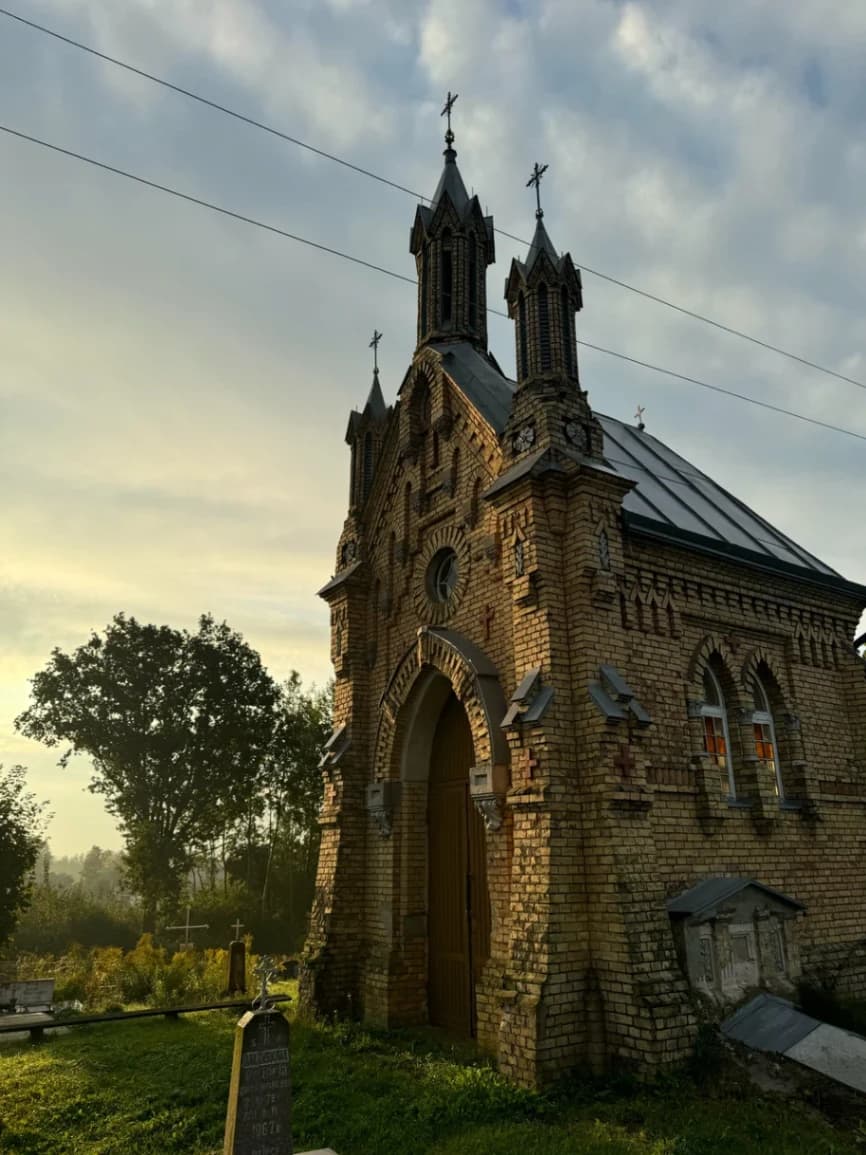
(458, 900)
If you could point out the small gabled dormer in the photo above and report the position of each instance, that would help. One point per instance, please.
(452, 242)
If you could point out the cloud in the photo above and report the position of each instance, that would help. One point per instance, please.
(175, 385)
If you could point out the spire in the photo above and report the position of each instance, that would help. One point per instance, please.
(541, 242)
(543, 295)
(375, 406)
(450, 181)
(452, 242)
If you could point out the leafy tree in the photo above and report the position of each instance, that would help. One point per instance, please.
(178, 727)
(21, 827)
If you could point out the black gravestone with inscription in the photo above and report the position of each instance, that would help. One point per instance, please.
(259, 1117)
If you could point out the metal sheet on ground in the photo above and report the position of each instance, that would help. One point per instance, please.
(835, 1053)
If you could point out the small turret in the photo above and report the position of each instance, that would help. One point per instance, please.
(365, 434)
(543, 295)
(452, 242)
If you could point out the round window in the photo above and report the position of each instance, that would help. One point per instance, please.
(442, 575)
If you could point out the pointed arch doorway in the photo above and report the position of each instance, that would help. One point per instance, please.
(458, 896)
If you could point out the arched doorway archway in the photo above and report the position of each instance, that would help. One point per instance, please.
(458, 897)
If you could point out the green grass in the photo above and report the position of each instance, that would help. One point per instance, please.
(155, 1087)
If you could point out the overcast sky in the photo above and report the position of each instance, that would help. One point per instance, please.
(174, 385)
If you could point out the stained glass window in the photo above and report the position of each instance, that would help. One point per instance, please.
(717, 742)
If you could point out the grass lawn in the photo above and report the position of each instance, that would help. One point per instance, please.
(156, 1087)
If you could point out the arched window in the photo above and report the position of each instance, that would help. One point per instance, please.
(422, 405)
(544, 328)
(425, 288)
(473, 283)
(717, 741)
(353, 476)
(765, 732)
(446, 279)
(521, 329)
(565, 322)
(368, 463)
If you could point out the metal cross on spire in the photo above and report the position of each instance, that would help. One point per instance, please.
(374, 345)
(538, 172)
(639, 417)
(446, 111)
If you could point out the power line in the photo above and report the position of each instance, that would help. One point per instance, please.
(201, 203)
(205, 204)
(252, 122)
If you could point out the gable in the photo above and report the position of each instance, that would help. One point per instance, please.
(705, 900)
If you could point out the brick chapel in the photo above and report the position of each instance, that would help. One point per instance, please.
(599, 760)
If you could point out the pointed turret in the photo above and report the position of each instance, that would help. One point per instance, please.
(549, 411)
(543, 295)
(452, 242)
(365, 434)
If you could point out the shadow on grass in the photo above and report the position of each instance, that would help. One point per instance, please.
(153, 1087)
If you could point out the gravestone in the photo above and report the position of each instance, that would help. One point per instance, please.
(237, 976)
(258, 1120)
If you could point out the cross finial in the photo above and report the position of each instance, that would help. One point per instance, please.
(446, 111)
(538, 172)
(237, 924)
(639, 417)
(374, 345)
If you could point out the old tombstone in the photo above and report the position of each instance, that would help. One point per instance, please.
(258, 1121)
(259, 1116)
(236, 982)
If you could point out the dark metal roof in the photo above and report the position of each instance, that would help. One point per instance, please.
(451, 182)
(672, 500)
(672, 492)
(480, 379)
(768, 1023)
(709, 894)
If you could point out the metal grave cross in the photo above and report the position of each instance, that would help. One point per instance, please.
(446, 111)
(237, 924)
(186, 928)
(538, 172)
(374, 345)
(266, 969)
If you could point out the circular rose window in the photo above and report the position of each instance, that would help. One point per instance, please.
(442, 575)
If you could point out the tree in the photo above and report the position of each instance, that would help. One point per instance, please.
(21, 827)
(178, 727)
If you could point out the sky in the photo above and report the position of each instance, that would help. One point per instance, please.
(174, 384)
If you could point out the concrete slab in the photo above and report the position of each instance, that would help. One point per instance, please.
(839, 1054)
(768, 1023)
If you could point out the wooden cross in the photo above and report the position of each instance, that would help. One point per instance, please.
(446, 111)
(487, 621)
(639, 417)
(624, 762)
(538, 172)
(237, 924)
(374, 345)
(186, 928)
